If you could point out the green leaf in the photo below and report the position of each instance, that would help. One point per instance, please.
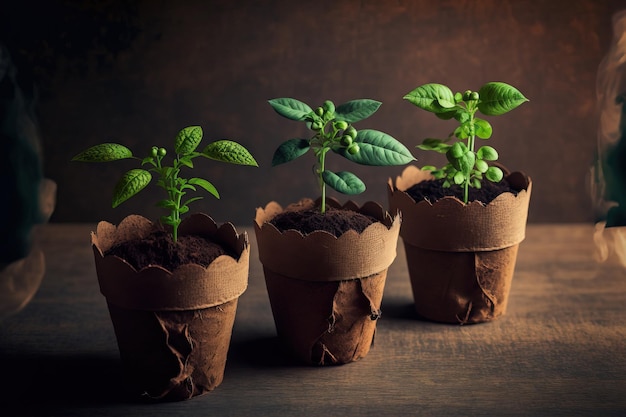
(130, 184)
(436, 145)
(187, 140)
(356, 110)
(290, 108)
(186, 161)
(191, 200)
(459, 178)
(104, 152)
(497, 98)
(379, 149)
(457, 151)
(435, 98)
(483, 128)
(290, 150)
(494, 174)
(167, 204)
(344, 182)
(487, 153)
(229, 151)
(482, 166)
(206, 185)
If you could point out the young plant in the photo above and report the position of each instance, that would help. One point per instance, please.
(333, 131)
(465, 167)
(169, 178)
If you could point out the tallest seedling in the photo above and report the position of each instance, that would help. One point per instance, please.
(333, 131)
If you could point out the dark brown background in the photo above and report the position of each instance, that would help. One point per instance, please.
(216, 63)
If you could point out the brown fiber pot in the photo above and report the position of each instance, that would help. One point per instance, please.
(326, 292)
(461, 257)
(173, 329)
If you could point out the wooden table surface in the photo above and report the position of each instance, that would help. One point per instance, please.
(559, 351)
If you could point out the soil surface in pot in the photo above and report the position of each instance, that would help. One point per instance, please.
(432, 190)
(158, 248)
(334, 221)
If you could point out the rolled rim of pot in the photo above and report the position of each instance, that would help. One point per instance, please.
(322, 256)
(449, 224)
(188, 287)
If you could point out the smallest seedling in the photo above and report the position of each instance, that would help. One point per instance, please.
(169, 178)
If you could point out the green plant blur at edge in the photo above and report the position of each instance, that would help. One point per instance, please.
(465, 166)
(176, 187)
(334, 132)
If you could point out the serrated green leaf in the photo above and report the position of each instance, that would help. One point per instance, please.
(130, 184)
(497, 98)
(494, 174)
(229, 151)
(356, 110)
(187, 140)
(290, 108)
(432, 97)
(487, 153)
(290, 150)
(206, 185)
(378, 149)
(104, 152)
(167, 204)
(343, 182)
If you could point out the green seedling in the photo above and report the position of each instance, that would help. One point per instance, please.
(465, 167)
(334, 131)
(176, 187)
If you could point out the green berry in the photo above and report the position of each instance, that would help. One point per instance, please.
(475, 96)
(162, 152)
(351, 131)
(319, 111)
(467, 95)
(154, 151)
(353, 148)
(346, 140)
(328, 106)
(341, 125)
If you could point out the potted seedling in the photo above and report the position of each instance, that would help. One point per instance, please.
(171, 286)
(463, 222)
(325, 264)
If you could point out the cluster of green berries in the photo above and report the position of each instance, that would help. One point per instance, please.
(156, 151)
(341, 133)
(470, 95)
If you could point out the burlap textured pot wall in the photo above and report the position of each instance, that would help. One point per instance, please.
(461, 257)
(173, 329)
(325, 292)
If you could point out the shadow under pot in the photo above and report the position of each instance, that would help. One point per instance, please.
(461, 257)
(326, 290)
(173, 328)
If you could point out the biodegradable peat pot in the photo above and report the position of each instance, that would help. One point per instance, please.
(326, 291)
(173, 328)
(461, 257)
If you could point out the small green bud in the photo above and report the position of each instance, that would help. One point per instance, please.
(467, 95)
(162, 152)
(329, 106)
(346, 140)
(354, 148)
(154, 151)
(475, 96)
(319, 111)
(341, 125)
(351, 131)
(316, 125)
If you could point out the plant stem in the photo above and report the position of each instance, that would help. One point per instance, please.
(322, 162)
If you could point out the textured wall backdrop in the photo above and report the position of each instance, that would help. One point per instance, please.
(149, 68)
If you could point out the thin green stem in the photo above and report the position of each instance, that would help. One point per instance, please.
(322, 163)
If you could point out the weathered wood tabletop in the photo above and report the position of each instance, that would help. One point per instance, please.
(559, 351)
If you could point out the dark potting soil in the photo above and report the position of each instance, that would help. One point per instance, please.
(334, 221)
(158, 248)
(432, 190)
